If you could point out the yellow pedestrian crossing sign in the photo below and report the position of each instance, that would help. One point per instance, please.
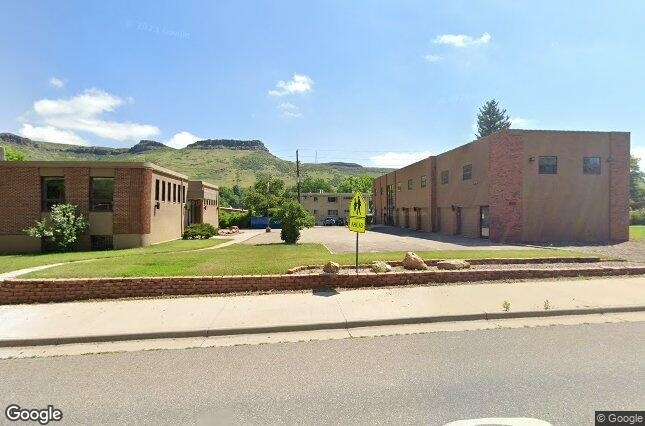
(358, 207)
(357, 224)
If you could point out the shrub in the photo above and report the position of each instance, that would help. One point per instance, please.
(62, 229)
(294, 218)
(199, 231)
(637, 217)
(239, 219)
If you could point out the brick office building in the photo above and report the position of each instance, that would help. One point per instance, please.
(516, 186)
(127, 204)
(328, 204)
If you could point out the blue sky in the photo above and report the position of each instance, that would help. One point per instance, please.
(373, 82)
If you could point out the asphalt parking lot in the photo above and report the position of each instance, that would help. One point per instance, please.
(339, 239)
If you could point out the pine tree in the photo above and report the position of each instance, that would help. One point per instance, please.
(490, 119)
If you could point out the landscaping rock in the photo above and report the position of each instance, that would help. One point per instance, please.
(453, 264)
(331, 268)
(380, 267)
(413, 261)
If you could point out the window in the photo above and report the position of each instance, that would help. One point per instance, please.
(424, 181)
(467, 172)
(101, 194)
(183, 194)
(332, 212)
(410, 183)
(156, 189)
(315, 211)
(331, 199)
(548, 165)
(174, 192)
(169, 192)
(444, 177)
(101, 242)
(163, 191)
(53, 192)
(315, 199)
(591, 165)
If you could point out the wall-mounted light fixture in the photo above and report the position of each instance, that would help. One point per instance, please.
(609, 159)
(157, 205)
(204, 206)
(531, 159)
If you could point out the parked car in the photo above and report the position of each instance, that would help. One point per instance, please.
(329, 221)
(341, 221)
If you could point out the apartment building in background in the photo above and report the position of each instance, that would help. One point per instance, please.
(326, 204)
(516, 186)
(128, 204)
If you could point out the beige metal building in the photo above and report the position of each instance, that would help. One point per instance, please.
(127, 204)
(516, 186)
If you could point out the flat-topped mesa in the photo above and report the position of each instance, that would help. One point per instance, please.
(147, 145)
(342, 164)
(18, 140)
(253, 145)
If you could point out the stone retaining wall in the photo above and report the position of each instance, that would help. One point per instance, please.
(16, 291)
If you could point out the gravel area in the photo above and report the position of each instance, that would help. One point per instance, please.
(366, 270)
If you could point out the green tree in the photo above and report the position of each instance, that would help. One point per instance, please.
(636, 182)
(266, 193)
(362, 184)
(63, 227)
(13, 154)
(311, 184)
(294, 218)
(491, 119)
(232, 197)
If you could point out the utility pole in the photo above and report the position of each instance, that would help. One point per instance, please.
(298, 175)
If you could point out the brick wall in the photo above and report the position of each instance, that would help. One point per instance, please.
(20, 207)
(43, 291)
(619, 187)
(505, 187)
(77, 188)
(132, 201)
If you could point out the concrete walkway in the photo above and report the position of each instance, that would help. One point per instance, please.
(100, 321)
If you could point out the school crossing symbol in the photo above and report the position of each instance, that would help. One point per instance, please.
(357, 213)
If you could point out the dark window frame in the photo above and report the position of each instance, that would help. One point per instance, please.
(547, 169)
(163, 190)
(101, 203)
(467, 172)
(410, 184)
(332, 199)
(445, 177)
(156, 189)
(591, 169)
(424, 181)
(46, 202)
(169, 191)
(174, 192)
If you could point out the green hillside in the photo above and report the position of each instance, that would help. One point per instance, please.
(222, 162)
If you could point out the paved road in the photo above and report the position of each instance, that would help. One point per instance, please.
(559, 374)
(382, 238)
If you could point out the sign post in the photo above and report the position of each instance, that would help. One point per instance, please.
(357, 213)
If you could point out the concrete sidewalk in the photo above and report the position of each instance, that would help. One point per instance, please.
(101, 321)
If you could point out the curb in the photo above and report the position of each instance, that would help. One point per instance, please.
(6, 343)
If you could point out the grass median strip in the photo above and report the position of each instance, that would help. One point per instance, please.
(21, 261)
(637, 232)
(255, 260)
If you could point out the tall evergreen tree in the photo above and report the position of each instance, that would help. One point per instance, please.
(491, 119)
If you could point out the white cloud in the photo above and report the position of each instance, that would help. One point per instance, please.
(82, 113)
(461, 40)
(56, 82)
(398, 159)
(287, 106)
(432, 58)
(521, 123)
(182, 139)
(300, 83)
(51, 134)
(291, 114)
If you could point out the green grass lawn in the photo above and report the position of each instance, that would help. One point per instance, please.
(21, 261)
(242, 259)
(637, 232)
